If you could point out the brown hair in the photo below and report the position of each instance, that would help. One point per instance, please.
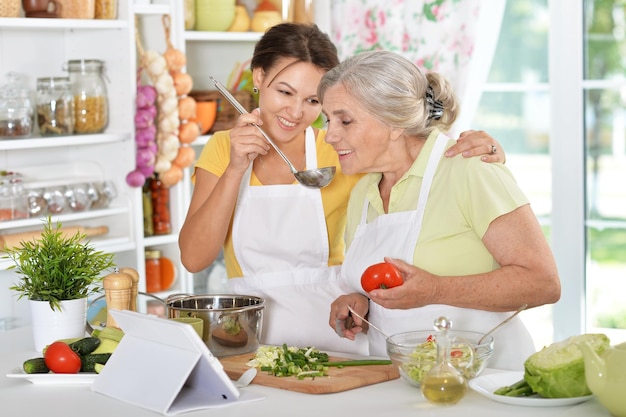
(303, 41)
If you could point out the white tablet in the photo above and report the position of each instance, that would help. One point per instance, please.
(164, 366)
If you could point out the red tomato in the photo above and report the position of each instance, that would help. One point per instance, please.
(382, 275)
(61, 359)
(456, 353)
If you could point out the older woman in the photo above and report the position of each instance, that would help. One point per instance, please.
(461, 231)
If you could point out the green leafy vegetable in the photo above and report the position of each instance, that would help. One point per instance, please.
(301, 362)
(290, 361)
(558, 371)
(519, 389)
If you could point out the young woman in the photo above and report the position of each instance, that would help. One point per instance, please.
(281, 241)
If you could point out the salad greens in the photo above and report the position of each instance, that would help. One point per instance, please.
(290, 361)
(425, 356)
(301, 362)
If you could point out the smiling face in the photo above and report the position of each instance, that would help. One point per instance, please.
(288, 97)
(362, 142)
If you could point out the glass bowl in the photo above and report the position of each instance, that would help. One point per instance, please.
(414, 354)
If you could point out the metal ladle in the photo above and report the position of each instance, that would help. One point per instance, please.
(313, 178)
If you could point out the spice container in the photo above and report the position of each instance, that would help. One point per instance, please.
(106, 9)
(16, 109)
(91, 107)
(55, 106)
(153, 270)
(160, 207)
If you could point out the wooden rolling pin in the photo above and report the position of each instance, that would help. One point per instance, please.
(14, 239)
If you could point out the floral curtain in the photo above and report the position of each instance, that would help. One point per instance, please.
(454, 37)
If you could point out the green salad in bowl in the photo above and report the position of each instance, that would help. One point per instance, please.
(414, 353)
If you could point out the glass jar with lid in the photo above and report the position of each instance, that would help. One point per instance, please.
(16, 108)
(153, 270)
(91, 107)
(161, 221)
(12, 197)
(55, 106)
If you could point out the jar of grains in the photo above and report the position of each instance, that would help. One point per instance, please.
(76, 9)
(106, 9)
(91, 107)
(55, 106)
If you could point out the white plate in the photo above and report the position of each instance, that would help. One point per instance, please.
(84, 378)
(487, 384)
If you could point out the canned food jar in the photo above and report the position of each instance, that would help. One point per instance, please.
(91, 107)
(55, 106)
(146, 197)
(153, 270)
(161, 220)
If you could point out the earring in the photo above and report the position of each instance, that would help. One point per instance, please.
(255, 90)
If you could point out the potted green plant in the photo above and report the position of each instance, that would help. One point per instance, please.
(58, 273)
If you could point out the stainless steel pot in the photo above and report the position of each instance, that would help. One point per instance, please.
(232, 323)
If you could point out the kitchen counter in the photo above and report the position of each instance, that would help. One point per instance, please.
(393, 398)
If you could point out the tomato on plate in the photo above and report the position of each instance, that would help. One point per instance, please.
(61, 359)
(382, 275)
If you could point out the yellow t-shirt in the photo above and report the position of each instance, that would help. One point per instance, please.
(215, 158)
(466, 195)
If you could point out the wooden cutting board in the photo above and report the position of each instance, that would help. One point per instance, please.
(338, 379)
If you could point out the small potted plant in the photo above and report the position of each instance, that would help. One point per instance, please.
(58, 273)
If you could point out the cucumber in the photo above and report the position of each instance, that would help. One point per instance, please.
(85, 346)
(109, 333)
(88, 362)
(35, 366)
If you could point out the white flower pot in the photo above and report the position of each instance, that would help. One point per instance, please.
(50, 325)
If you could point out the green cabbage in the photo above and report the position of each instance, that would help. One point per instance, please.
(558, 370)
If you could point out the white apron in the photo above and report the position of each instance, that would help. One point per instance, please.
(396, 235)
(281, 243)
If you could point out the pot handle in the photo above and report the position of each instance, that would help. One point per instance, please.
(89, 329)
(175, 297)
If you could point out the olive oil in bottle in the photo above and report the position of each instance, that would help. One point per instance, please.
(443, 384)
(443, 389)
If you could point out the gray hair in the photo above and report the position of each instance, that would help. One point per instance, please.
(394, 91)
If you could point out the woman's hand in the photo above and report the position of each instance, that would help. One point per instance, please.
(340, 315)
(246, 142)
(417, 290)
(476, 142)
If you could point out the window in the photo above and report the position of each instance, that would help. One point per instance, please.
(555, 100)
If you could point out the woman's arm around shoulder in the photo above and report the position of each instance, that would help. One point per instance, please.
(477, 143)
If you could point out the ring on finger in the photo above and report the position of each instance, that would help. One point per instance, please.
(493, 149)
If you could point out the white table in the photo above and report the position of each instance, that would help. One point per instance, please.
(393, 398)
